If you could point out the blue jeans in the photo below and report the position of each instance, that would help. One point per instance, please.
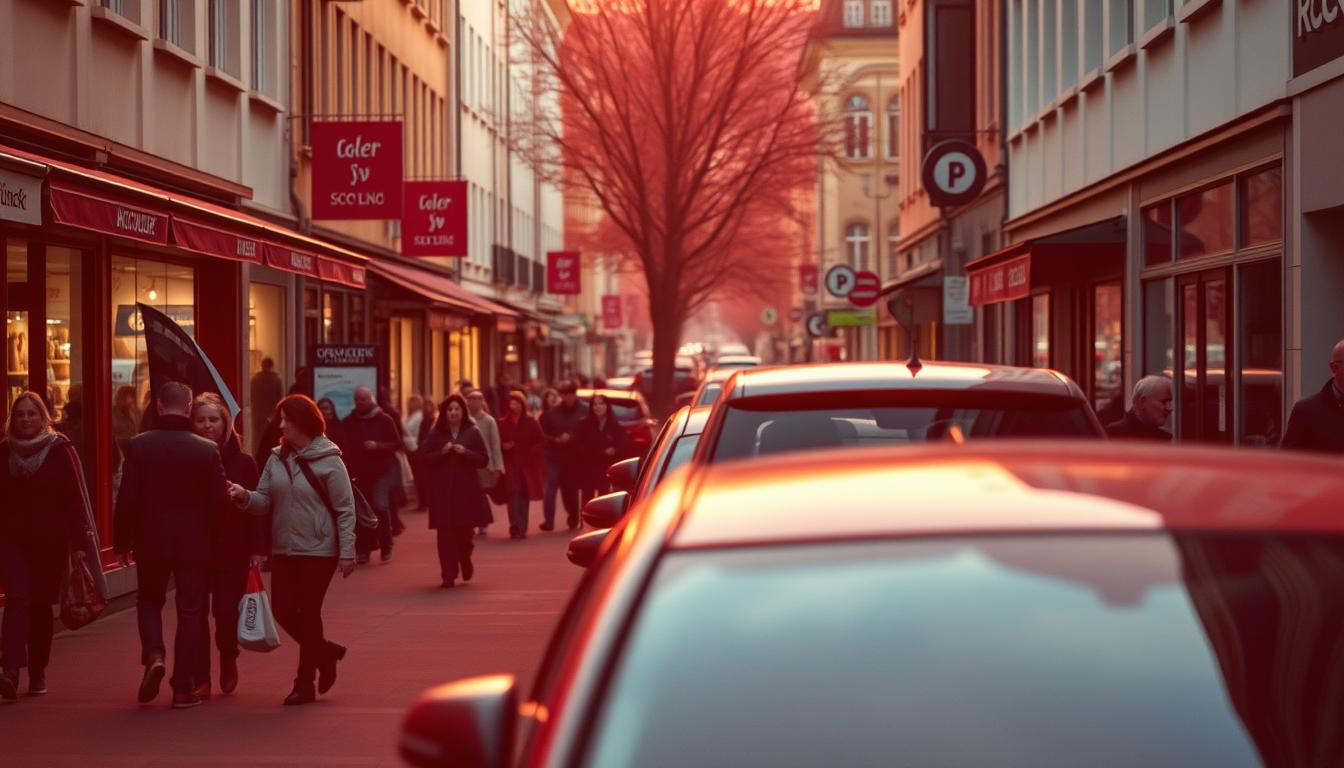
(562, 479)
(380, 498)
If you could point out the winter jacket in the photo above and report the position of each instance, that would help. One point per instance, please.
(1132, 428)
(558, 421)
(522, 442)
(172, 486)
(593, 441)
(368, 466)
(300, 522)
(455, 495)
(1317, 423)
(237, 535)
(489, 429)
(410, 429)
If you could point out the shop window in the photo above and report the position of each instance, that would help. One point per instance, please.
(893, 127)
(1159, 317)
(266, 367)
(438, 386)
(1040, 330)
(17, 336)
(1122, 25)
(1157, 234)
(1206, 220)
(312, 316)
(169, 288)
(1262, 207)
(1207, 357)
(65, 342)
(1260, 334)
(333, 317)
(1108, 379)
(355, 335)
(856, 246)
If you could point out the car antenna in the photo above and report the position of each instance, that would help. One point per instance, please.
(913, 364)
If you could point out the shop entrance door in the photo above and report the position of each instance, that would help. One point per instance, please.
(1203, 384)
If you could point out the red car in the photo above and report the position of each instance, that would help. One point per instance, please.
(1004, 604)
(631, 411)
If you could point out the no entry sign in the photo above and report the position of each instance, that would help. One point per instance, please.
(867, 287)
(357, 170)
(954, 173)
(611, 311)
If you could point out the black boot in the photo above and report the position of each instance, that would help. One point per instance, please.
(9, 684)
(37, 682)
(303, 693)
(326, 671)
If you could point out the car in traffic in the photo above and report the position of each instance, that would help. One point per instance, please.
(711, 386)
(631, 411)
(1015, 604)
(685, 377)
(734, 362)
(851, 405)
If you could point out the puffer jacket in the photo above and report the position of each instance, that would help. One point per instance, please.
(300, 523)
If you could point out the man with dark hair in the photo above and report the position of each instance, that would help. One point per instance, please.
(560, 424)
(370, 439)
(172, 484)
(1317, 421)
(497, 397)
(266, 389)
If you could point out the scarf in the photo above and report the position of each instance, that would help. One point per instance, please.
(27, 456)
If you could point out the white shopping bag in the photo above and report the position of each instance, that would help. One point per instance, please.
(256, 623)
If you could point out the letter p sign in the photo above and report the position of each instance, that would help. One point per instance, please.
(953, 173)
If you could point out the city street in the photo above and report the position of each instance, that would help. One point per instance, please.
(404, 635)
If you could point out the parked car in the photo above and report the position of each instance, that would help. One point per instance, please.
(734, 362)
(711, 386)
(631, 411)
(685, 378)
(1020, 604)
(849, 405)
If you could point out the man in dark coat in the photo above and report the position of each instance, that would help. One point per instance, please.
(172, 483)
(560, 425)
(1317, 422)
(370, 440)
(267, 389)
(497, 397)
(1151, 409)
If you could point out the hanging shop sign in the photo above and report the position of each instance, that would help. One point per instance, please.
(357, 169)
(20, 198)
(109, 217)
(957, 301)
(434, 221)
(1318, 33)
(611, 311)
(563, 273)
(1006, 281)
(954, 173)
(807, 279)
(212, 241)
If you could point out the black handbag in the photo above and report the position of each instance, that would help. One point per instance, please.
(366, 522)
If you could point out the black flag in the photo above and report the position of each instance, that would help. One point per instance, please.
(175, 356)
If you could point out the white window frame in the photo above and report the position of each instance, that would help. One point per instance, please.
(218, 30)
(858, 114)
(879, 14)
(858, 245)
(893, 127)
(853, 14)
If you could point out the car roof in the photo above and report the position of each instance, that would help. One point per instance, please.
(611, 394)
(1006, 487)
(696, 420)
(719, 375)
(845, 377)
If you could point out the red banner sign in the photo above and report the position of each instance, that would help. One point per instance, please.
(808, 279)
(339, 272)
(611, 311)
(357, 169)
(212, 241)
(434, 221)
(86, 211)
(563, 273)
(1006, 281)
(290, 260)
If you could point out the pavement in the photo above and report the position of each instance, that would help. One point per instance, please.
(405, 634)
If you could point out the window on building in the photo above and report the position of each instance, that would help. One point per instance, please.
(1262, 207)
(858, 127)
(1260, 336)
(1206, 223)
(1015, 68)
(1032, 59)
(1049, 45)
(1121, 31)
(116, 6)
(1155, 12)
(262, 43)
(219, 35)
(856, 246)
(893, 127)
(881, 13)
(1108, 381)
(170, 21)
(1093, 45)
(853, 13)
(1157, 234)
(894, 249)
(1159, 318)
(1068, 44)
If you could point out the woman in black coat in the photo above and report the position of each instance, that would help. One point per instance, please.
(238, 541)
(45, 517)
(601, 442)
(457, 505)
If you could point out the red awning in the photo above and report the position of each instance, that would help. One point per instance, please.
(291, 260)
(215, 241)
(108, 216)
(1002, 280)
(334, 271)
(438, 288)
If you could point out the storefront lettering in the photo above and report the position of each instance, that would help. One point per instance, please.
(1017, 276)
(301, 261)
(247, 249)
(357, 148)
(137, 222)
(1314, 14)
(357, 198)
(13, 198)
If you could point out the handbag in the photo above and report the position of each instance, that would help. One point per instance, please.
(256, 623)
(499, 492)
(366, 521)
(81, 602)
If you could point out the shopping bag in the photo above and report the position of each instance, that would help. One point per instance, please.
(256, 623)
(80, 601)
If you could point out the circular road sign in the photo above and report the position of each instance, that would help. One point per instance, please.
(816, 325)
(769, 316)
(840, 280)
(867, 287)
(954, 173)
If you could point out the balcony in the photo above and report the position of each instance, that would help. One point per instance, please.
(538, 277)
(504, 263)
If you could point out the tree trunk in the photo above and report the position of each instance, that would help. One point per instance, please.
(666, 319)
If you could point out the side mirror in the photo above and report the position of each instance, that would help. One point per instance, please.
(607, 510)
(623, 474)
(471, 723)
(583, 549)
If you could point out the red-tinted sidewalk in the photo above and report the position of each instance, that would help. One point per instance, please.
(404, 635)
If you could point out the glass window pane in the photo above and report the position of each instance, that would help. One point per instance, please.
(356, 319)
(1189, 385)
(17, 335)
(1206, 222)
(1158, 324)
(65, 325)
(1216, 358)
(265, 357)
(1262, 207)
(168, 288)
(1040, 330)
(1261, 346)
(1157, 234)
(1107, 346)
(333, 316)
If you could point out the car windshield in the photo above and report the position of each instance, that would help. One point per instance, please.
(772, 425)
(709, 393)
(1122, 650)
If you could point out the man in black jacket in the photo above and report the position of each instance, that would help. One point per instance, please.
(1149, 413)
(172, 483)
(369, 441)
(1317, 422)
(560, 425)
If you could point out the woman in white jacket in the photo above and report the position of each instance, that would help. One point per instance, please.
(306, 489)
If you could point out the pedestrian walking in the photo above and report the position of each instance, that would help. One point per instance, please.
(306, 490)
(493, 472)
(522, 443)
(266, 389)
(560, 423)
(454, 453)
(329, 417)
(370, 443)
(1148, 415)
(601, 442)
(1317, 422)
(45, 520)
(172, 488)
(239, 542)
(397, 498)
(497, 397)
(411, 440)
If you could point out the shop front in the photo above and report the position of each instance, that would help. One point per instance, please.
(90, 247)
